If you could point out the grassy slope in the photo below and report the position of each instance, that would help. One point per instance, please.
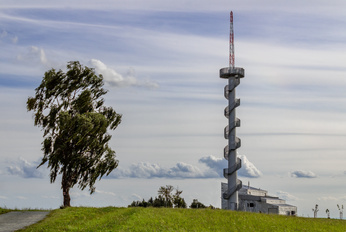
(4, 210)
(154, 219)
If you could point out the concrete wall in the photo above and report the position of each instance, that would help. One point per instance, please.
(288, 210)
(265, 207)
(257, 200)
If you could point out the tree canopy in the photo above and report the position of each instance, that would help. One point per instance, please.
(197, 205)
(70, 109)
(166, 193)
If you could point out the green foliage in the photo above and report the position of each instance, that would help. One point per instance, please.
(2, 210)
(165, 199)
(178, 201)
(165, 219)
(161, 202)
(69, 108)
(197, 205)
(157, 202)
(166, 193)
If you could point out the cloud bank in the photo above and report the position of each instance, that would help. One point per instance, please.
(115, 79)
(303, 174)
(214, 169)
(147, 170)
(24, 169)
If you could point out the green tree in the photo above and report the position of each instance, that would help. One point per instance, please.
(161, 202)
(150, 202)
(177, 200)
(70, 109)
(166, 193)
(197, 205)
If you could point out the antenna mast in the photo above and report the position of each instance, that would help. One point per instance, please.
(231, 43)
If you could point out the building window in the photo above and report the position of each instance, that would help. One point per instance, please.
(251, 205)
(290, 213)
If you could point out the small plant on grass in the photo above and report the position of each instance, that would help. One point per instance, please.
(328, 213)
(341, 210)
(315, 211)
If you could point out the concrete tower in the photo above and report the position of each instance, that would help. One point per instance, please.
(233, 74)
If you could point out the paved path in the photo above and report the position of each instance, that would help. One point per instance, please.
(19, 219)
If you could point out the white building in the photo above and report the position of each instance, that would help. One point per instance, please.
(257, 200)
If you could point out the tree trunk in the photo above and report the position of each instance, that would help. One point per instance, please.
(65, 190)
(67, 199)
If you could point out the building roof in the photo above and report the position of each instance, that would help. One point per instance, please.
(252, 188)
(283, 205)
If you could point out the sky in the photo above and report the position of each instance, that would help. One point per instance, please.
(160, 61)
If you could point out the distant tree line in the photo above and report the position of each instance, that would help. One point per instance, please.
(166, 198)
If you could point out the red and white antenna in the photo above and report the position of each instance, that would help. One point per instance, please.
(231, 43)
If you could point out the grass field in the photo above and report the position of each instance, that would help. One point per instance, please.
(4, 210)
(162, 219)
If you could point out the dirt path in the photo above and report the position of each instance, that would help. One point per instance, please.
(19, 219)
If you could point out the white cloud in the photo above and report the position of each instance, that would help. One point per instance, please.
(3, 197)
(105, 192)
(183, 170)
(25, 169)
(286, 196)
(148, 170)
(34, 55)
(214, 163)
(136, 197)
(303, 174)
(248, 169)
(115, 79)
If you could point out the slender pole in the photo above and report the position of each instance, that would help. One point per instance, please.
(231, 42)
